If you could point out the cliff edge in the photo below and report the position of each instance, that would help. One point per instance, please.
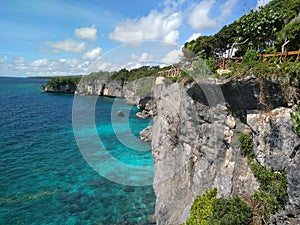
(195, 143)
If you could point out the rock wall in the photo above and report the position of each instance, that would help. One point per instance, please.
(133, 91)
(66, 89)
(195, 145)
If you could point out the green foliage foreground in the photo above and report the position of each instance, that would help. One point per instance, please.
(210, 210)
(202, 208)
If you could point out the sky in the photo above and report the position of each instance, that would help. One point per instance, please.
(68, 37)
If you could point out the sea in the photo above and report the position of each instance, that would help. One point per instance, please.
(47, 178)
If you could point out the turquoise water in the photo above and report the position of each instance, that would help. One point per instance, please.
(45, 178)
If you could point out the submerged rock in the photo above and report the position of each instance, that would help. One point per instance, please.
(120, 113)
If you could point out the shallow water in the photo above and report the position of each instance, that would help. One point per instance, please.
(44, 177)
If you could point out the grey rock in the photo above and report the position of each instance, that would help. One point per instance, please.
(192, 154)
(273, 137)
(195, 143)
(146, 134)
(138, 89)
(142, 115)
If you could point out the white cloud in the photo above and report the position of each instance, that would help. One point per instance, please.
(172, 57)
(143, 57)
(155, 26)
(68, 45)
(198, 16)
(4, 59)
(92, 54)
(44, 67)
(89, 33)
(19, 63)
(39, 62)
(173, 4)
(261, 3)
(226, 8)
(194, 36)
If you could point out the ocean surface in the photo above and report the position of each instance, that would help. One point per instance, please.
(44, 177)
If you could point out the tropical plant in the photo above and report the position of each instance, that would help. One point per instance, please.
(202, 208)
(230, 211)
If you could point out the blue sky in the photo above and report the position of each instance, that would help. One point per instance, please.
(65, 37)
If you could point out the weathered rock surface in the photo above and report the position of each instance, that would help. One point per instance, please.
(133, 91)
(146, 134)
(148, 107)
(274, 140)
(138, 89)
(195, 145)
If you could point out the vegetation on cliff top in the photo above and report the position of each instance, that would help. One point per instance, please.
(271, 26)
(57, 83)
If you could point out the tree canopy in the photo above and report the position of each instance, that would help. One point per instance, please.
(270, 26)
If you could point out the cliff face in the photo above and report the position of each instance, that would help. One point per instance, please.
(133, 91)
(195, 145)
(66, 89)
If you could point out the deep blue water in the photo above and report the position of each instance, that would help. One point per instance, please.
(44, 178)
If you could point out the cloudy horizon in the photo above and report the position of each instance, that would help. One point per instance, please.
(67, 38)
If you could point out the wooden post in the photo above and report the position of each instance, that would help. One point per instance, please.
(284, 57)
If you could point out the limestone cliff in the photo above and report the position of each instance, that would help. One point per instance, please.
(195, 145)
(132, 91)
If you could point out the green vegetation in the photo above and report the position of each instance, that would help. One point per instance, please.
(92, 77)
(271, 26)
(125, 75)
(246, 144)
(296, 120)
(230, 211)
(210, 210)
(271, 195)
(202, 208)
(57, 82)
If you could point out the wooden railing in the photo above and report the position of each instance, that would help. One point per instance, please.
(280, 57)
(173, 72)
(225, 63)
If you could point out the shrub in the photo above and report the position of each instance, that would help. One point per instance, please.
(296, 121)
(247, 144)
(272, 194)
(230, 211)
(202, 208)
(251, 58)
